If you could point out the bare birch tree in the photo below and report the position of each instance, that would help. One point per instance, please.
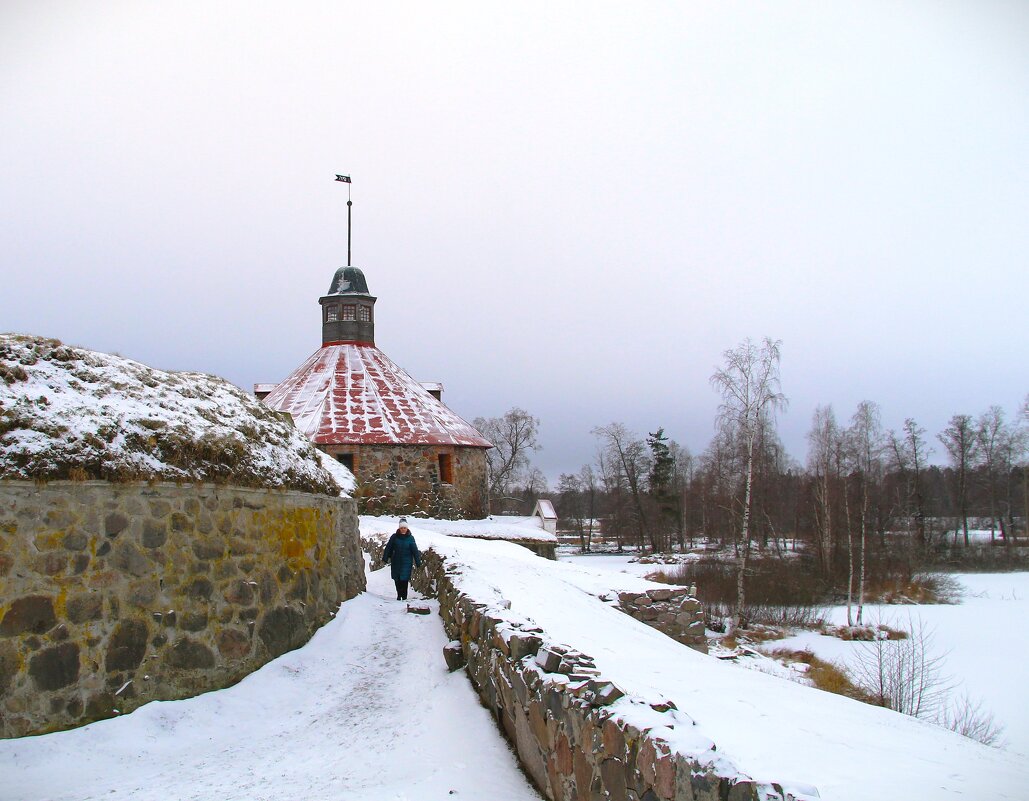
(865, 443)
(748, 384)
(824, 443)
(960, 441)
(993, 436)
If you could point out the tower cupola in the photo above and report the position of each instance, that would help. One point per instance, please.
(348, 309)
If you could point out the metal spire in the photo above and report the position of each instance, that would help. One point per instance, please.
(350, 204)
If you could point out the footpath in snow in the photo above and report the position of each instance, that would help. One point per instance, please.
(366, 710)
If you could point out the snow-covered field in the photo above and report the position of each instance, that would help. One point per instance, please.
(613, 562)
(983, 641)
(500, 527)
(364, 712)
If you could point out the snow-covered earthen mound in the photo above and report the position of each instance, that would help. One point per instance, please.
(72, 413)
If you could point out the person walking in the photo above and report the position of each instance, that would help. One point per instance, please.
(401, 555)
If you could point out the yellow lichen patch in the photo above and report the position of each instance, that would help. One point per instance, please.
(296, 532)
(9, 526)
(61, 602)
(49, 541)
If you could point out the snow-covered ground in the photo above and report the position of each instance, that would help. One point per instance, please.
(613, 562)
(500, 527)
(367, 711)
(364, 712)
(982, 639)
(770, 727)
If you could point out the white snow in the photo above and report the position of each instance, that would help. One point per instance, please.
(366, 711)
(490, 528)
(614, 562)
(343, 477)
(982, 640)
(771, 728)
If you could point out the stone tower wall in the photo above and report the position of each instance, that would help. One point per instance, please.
(113, 595)
(405, 479)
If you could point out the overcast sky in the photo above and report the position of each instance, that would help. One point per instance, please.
(573, 208)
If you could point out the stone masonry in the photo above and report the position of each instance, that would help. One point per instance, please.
(405, 479)
(671, 611)
(113, 595)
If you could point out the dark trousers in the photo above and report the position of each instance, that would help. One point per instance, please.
(401, 589)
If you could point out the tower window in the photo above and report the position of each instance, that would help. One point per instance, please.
(364, 314)
(349, 312)
(446, 468)
(331, 313)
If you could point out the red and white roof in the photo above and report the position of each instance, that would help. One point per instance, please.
(352, 393)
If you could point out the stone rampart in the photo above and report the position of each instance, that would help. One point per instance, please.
(113, 595)
(672, 611)
(567, 722)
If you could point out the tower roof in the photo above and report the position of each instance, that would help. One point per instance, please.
(348, 281)
(352, 393)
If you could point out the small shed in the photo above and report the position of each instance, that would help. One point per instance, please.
(544, 511)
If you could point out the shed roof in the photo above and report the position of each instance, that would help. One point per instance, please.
(352, 393)
(546, 509)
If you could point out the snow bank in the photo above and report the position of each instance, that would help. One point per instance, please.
(67, 412)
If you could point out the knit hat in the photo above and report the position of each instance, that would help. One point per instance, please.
(403, 521)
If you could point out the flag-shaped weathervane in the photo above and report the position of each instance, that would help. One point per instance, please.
(344, 178)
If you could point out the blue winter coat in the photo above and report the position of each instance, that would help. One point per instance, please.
(401, 554)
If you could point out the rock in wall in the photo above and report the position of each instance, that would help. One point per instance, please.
(113, 595)
(672, 611)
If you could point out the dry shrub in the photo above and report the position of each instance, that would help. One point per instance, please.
(920, 588)
(969, 719)
(778, 592)
(78, 474)
(824, 675)
(863, 633)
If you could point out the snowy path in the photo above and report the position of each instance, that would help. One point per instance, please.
(366, 710)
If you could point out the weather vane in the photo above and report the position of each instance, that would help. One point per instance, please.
(350, 204)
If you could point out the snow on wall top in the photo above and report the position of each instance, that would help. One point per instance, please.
(67, 412)
(352, 393)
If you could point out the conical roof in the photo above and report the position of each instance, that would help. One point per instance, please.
(352, 393)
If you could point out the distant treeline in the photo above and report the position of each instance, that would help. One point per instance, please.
(865, 502)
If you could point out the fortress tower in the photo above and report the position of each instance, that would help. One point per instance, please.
(409, 452)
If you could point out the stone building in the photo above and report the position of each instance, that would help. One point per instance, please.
(409, 452)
